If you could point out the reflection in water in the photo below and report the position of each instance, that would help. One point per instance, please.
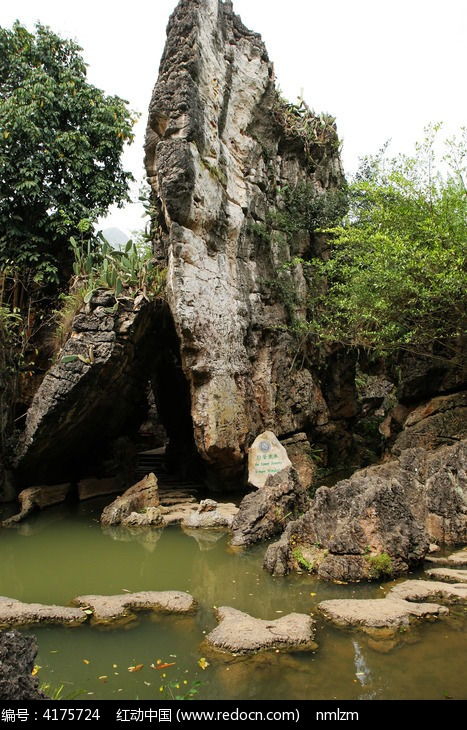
(362, 671)
(63, 552)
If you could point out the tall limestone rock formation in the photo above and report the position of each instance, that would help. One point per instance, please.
(222, 149)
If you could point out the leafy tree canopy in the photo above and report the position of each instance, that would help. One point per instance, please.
(61, 141)
(396, 276)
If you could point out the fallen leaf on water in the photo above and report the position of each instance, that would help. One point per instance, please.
(114, 666)
(54, 651)
(148, 684)
(164, 666)
(203, 663)
(85, 661)
(312, 594)
(174, 656)
(103, 678)
(136, 668)
(35, 670)
(125, 590)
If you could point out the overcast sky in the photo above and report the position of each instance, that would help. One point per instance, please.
(383, 68)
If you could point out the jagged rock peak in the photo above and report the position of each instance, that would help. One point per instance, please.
(218, 156)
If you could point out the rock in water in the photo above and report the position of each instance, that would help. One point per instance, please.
(381, 521)
(217, 155)
(239, 633)
(266, 456)
(34, 498)
(137, 506)
(265, 513)
(17, 655)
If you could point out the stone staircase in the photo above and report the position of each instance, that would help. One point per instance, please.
(172, 489)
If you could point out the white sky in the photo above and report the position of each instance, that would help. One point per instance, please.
(383, 68)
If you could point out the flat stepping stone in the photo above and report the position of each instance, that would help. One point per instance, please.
(106, 609)
(240, 633)
(377, 613)
(17, 613)
(425, 590)
(455, 560)
(450, 575)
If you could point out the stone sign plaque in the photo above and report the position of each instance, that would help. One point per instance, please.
(265, 457)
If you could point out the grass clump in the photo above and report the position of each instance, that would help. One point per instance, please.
(301, 560)
(380, 565)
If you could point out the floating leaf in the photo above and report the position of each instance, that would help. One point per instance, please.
(103, 678)
(203, 663)
(136, 668)
(86, 661)
(164, 666)
(35, 670)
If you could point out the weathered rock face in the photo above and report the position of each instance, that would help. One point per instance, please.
(265, 513)
(395, 509)
(17, 655)
(85, 402)
(440, 421)
(216, 156)
(300, 454)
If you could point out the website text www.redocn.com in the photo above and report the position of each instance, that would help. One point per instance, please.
(258, 716)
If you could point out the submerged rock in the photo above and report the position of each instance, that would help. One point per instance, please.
(17, 657)
(424, 590)
(381, 521)
(378, 613)
(211, 514)
(142, 498)
(17, 613)
(107, 609)
(239, 633)
(34, 498)
(450, 575)
(264, 513)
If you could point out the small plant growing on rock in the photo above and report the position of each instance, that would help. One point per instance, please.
(379, 565)
(301, 560)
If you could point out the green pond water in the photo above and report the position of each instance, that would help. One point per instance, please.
(63, 552)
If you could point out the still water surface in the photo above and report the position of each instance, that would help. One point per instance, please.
(63, 552)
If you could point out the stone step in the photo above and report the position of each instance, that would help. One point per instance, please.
(449, 575)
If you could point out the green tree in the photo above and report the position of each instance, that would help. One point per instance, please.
(61, 141)
(396, 277)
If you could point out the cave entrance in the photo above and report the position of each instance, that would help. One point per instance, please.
(136, 399)
(166, 439)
